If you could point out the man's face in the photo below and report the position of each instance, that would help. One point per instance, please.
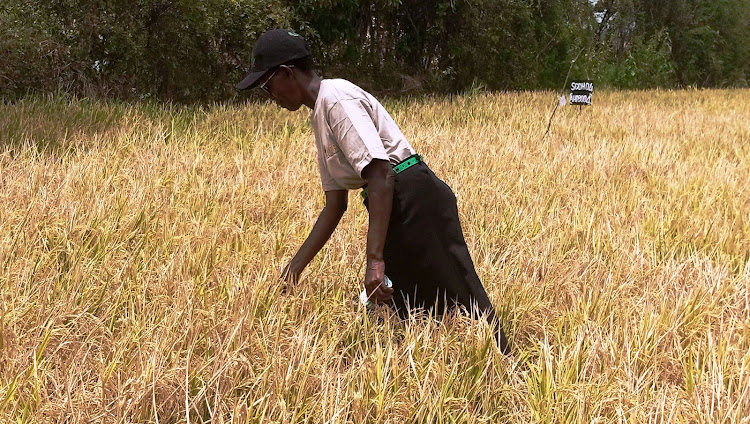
(281, 85)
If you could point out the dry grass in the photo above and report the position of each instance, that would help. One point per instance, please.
(140, 247)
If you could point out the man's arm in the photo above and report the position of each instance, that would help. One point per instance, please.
(380, 183)
(327, 221)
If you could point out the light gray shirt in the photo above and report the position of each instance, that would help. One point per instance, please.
(351, 129)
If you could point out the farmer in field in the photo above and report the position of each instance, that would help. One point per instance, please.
(414, 235)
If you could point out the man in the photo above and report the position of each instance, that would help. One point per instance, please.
(414, 234)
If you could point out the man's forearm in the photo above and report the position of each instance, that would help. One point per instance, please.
(380, 186)
(380, 198)
(326, 223)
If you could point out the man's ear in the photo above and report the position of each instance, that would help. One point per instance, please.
(289, 72)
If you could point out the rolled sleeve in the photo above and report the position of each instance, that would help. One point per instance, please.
(356, 134)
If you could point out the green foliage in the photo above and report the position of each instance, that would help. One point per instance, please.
(188, 50)
(702, 43)
(31, 55)
(647, 64)
(170, 49)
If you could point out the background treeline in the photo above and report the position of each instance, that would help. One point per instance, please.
(196, 50)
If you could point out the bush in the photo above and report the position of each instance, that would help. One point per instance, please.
(648, 64)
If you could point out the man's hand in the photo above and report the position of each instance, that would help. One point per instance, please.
(291, 272)
(377, 290)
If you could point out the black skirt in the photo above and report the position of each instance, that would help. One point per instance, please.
(425, 252)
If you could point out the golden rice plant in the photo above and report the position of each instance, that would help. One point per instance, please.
(140, 246)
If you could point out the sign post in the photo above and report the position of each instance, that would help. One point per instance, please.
(581, 92)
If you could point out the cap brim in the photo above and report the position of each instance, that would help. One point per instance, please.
(250, 81)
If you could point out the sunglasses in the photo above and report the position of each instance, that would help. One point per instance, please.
(264, 85)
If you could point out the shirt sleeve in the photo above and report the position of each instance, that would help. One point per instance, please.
(355, 133)
(326, 179)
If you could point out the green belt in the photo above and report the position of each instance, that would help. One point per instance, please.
(399, 168)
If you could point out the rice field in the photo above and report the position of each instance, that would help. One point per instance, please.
(140, 249)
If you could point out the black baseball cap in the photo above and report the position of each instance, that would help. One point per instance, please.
(273, 48)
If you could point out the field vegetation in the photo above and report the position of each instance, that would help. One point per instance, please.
(140, 247)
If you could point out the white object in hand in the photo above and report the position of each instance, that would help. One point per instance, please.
(363, 296)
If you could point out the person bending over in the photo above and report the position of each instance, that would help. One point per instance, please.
(414, 235)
